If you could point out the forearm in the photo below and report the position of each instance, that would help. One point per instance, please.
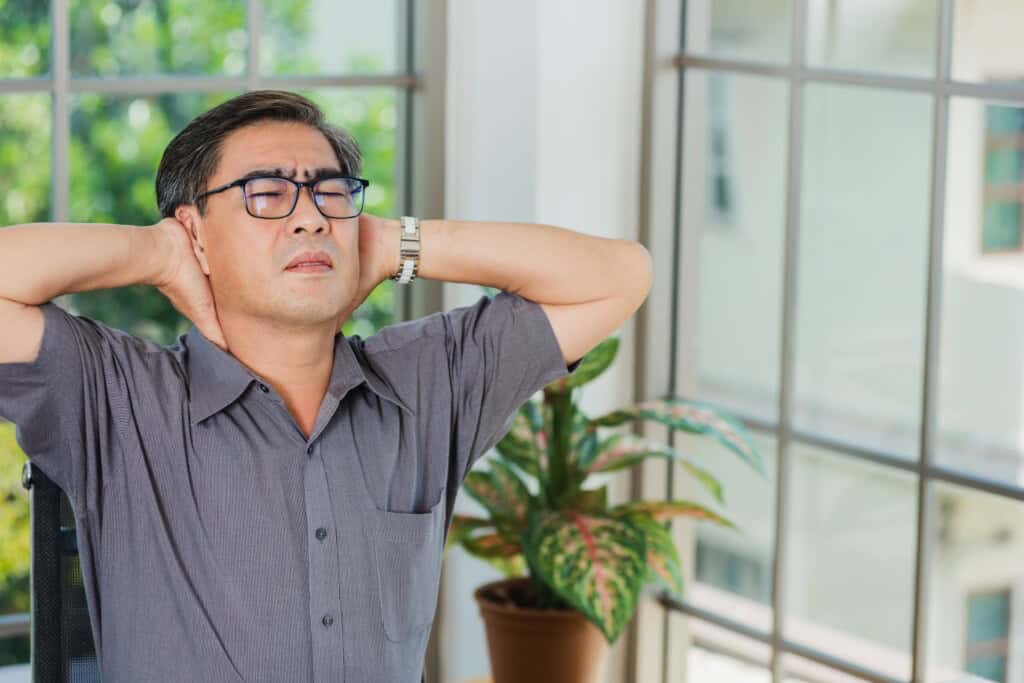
(39, 261)
(539, 262)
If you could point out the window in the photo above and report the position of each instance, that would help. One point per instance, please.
(987, 634)
(1004, 179)
(721, 193)
(730, 570)
(872, 150)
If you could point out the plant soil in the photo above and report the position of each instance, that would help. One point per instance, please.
(524, 595)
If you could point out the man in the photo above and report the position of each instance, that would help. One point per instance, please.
(267, 499)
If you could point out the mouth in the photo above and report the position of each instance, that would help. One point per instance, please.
(310, 268)
(311, 262)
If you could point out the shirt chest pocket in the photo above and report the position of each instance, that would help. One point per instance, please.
(408, 548)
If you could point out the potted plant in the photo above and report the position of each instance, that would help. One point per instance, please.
(574, 565)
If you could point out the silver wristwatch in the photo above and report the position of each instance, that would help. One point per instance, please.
(409, 251)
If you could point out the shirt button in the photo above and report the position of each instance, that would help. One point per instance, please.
(309, 449)
(327, 620)
(321, 533)
(264, 388)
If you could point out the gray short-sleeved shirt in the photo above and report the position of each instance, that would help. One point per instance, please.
(217, 542)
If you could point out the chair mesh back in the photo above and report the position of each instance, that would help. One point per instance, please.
(62, 647)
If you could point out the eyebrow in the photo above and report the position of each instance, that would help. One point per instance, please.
(317, 173)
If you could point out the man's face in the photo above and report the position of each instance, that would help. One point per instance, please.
(246, 257)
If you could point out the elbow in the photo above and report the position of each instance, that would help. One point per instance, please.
(640, 269)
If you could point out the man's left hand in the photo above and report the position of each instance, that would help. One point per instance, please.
(376, 235)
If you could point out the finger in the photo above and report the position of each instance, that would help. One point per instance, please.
(209, 323)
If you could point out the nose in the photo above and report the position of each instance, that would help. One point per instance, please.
(306, 215)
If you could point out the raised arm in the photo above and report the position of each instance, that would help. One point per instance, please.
(39, 261)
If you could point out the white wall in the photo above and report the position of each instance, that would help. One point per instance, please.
(543, 127)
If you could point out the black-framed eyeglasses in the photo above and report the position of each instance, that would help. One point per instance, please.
(276, 197)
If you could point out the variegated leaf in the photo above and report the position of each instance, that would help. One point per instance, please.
(693, 417)
(529, 426)
(594, 363)
(596, 563)
(510, 567)
(663, 567)
(464, 525)
(501, 493)
(520, 453)
(590, 501)
(621, 451)
(491, 545)
(660, 510)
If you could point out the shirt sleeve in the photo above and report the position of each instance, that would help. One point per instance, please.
(501, 351)
(66, 403)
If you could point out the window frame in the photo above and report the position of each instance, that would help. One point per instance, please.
(666, 63)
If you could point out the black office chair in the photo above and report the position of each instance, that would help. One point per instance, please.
(62, 646)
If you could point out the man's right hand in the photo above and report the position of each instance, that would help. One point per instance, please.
(183, 281)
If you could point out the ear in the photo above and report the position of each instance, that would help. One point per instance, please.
(188, 215)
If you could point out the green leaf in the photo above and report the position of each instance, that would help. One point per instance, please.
(491, 545)
(501, 492)
(462, 526)
(522, 454)
(594, 363)
(660, 510)
(509, 566)
(621, 451)
(596, 563)
(663, 566)
(590, 501)
(693, 417)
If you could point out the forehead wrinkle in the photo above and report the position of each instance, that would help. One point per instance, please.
(280, 172)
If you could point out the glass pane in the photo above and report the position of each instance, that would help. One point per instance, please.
(25, 124)
(974, 597)
(734, 189)
(717, 655)
(986, 40)
(127, 37)
(732, 569)
(24, 38)
(739, 29)
(892, 36)
(862, 266)
(1002, 226)
(1003, 166)
(988, 616)
(801, 670)
(330, 37)
(850, 559)
(116, 145)
(981, 358)
(370, 116)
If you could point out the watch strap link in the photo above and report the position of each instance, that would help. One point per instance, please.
(409, 250)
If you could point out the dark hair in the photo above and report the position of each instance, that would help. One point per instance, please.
(191, 158)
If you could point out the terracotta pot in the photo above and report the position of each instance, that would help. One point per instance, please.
(531, 645)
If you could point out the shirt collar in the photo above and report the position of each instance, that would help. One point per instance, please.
(216, 378)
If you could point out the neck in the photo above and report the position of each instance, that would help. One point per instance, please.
(296, 361)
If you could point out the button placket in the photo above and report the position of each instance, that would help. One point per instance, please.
(324, 575)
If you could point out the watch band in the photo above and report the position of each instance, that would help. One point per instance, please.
(409, 251)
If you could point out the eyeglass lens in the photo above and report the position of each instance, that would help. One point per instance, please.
(275, 197)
